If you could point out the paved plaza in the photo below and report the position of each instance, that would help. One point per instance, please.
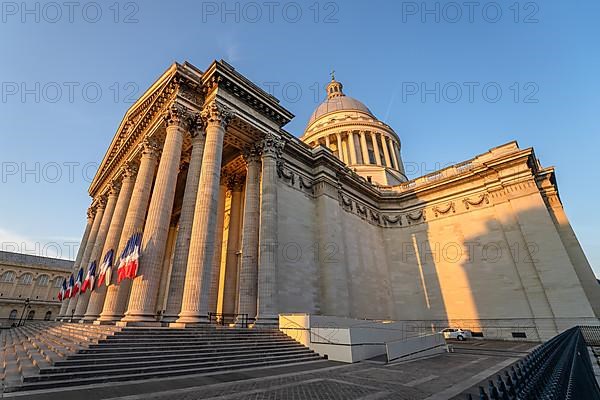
(446, 376)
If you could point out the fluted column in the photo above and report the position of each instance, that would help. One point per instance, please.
(249, 264)
(161, 300)
(186, 218)
(375, 148)
(91, 212)
(216, 263)
(267, 246)
(88, 251)
(118, 294)
(352, 147)
(398, 157)
(230, 283)
(144, 290)
(339, 146)
(386, 153)
(327, 142)
(112, 239)
(198, 279)
(84, 298)
(363, 148)
(394, 157)
(345, 150)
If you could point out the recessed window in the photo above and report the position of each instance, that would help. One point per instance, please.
(58, 281)
(8, 276)
(26, 279)
(43, 280)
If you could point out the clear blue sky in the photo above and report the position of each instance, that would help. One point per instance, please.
(380, 51)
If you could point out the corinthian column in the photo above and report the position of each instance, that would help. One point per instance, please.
(363, 148)
(112, 239)
(144, 290)
(198, 279)
(249, 264)
(216, 263)
(91, 212)
(84, 298)
(231, 259)
(267, 254)
(118, 294)
(352, 147)
(375, 148)
(182, 244)
(89, 246)
(386, 153)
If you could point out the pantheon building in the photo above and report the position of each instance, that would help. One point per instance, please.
(240, 217)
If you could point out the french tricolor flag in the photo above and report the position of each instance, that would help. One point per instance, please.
(63, 290)
(78, 283)
(128, 263)
(69, 291)
(89, 278)
(106, 268)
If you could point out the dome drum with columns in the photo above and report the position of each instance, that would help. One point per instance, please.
(350, 130)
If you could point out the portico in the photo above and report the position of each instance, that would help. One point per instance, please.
(192, 138)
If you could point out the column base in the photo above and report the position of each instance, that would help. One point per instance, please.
(100, 322)
(148, 324)
(111, 319)
(169, 318)
(84, 321)
(90, 318)
(190, 320)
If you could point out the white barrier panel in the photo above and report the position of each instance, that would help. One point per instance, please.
(415, 347)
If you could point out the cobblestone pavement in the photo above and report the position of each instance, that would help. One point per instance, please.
(439, 377)
(444, 376)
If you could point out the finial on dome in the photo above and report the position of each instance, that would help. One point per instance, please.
(334, 89)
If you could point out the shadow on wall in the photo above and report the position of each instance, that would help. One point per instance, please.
(503, 271)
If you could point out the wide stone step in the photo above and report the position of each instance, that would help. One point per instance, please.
(179, 344)
(172, 339)
(172, 362)
(67, 380)
(75, 359)
(166, 369)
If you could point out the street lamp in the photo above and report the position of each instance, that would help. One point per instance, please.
(25, 306)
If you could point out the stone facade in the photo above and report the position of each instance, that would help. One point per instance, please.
(38, 279)
(239, 216)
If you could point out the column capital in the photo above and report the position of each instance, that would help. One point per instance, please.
(114, 187)
(150, 146)
(91, 212)
(234, 182)
(101, 202)
(251, 153)
(272, 145)
(216, 113)
(178, 115)
(130, 169)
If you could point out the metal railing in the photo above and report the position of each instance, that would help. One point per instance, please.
(560, 369)
(226, 319)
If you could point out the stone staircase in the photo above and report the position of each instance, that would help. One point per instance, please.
(41, 356)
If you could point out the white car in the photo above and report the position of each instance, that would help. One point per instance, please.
(456, 333)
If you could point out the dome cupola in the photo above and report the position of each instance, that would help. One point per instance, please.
(350, 130)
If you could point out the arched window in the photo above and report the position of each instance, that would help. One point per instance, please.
(48, 316)
(58, 281)
(8, 276)
(43, 280)
(13, 315)
(31, 315)
(26, 279)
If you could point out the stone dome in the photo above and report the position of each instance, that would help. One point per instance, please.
(340, 103)
(353, 134)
